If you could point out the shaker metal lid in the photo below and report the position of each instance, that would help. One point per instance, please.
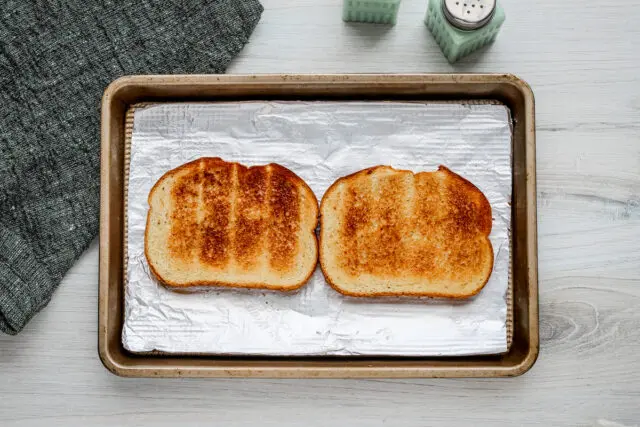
(468, 14)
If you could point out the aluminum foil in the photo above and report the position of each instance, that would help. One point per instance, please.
(319, 141)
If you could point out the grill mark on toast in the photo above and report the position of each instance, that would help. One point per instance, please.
(284, 204)
(216, 200)
(233, 205)
(357, 214)
(388, 252)
(406, 205)
(201, 211)
(430, 207)
(266, 265)
(413, 237)
(185, 230)
(251, 217)
(301, 241)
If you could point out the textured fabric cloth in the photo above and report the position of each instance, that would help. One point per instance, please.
(56, 58)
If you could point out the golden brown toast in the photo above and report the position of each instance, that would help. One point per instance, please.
(388, 232)
(215, 223)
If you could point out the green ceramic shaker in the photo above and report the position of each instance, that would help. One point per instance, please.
(374, 11)
(463, 26)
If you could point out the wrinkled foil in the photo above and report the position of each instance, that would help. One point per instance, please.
(321, 142)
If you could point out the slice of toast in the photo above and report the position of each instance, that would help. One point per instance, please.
(388, 232)
(215, 223)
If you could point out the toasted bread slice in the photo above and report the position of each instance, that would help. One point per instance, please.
(215, 223)
(388, 232)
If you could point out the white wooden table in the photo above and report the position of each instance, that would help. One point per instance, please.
(582, 60)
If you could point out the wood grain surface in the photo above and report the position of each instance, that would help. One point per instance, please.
(582, 61)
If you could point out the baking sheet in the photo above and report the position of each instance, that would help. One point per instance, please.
(320, 141)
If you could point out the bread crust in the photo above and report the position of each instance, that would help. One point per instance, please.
(485, 213)
(185, 287)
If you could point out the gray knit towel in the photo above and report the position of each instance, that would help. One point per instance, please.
(56, 58)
